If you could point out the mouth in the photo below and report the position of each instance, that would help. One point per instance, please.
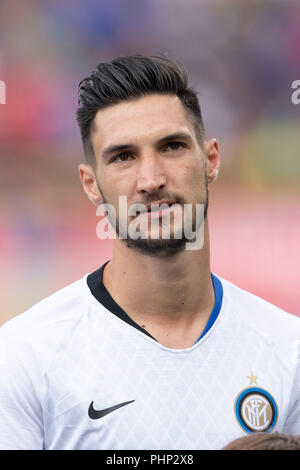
(159, 206)
(159, 209)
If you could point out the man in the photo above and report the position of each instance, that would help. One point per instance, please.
(151, 351)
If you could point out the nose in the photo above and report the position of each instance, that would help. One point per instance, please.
(151, 175)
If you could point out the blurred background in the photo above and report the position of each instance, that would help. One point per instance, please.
(242, 58)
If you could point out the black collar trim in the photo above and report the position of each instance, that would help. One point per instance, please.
(99, 291)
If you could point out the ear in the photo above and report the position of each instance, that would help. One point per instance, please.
(89, 183)
(212, 154)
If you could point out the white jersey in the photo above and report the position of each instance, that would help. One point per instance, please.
(75, 374)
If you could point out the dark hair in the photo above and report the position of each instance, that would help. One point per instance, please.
(128, 78)
(264, 441)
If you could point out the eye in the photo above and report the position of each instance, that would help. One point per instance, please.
(173, 146)
(122, 157)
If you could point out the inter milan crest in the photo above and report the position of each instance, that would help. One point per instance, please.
(255, 409)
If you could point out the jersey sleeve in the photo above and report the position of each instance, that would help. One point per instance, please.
(21, 418)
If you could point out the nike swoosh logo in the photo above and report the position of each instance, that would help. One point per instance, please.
(96, 414)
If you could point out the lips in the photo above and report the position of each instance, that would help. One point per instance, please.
(156, 209)
(150, 208)
(159, 210)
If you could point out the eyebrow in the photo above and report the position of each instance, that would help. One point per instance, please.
(176, 136)
(122, 147)
(116, 148)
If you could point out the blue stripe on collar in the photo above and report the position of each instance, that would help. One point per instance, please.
(218, 289)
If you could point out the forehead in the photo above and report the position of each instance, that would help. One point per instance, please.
(141, 120)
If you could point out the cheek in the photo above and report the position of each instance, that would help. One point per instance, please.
(194, 165)
(114, 185)
(192, 181)
(192, 174)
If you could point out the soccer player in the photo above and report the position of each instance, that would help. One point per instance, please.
(152, 350)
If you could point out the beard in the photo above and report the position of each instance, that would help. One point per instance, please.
(160, 247)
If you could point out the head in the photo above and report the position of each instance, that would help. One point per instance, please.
(143, 138)
(265, 441)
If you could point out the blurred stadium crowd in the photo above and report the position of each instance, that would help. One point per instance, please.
(241, 57)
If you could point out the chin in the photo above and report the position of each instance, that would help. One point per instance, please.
(161, 247)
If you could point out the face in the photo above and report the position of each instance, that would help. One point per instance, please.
(147, 150)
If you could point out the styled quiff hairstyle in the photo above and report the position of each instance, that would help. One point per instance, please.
(129, 78)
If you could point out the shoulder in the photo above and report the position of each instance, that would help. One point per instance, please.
(42, 327)
(28, 345)
(260, 315)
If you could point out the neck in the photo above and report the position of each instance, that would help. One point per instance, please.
(173, 293)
